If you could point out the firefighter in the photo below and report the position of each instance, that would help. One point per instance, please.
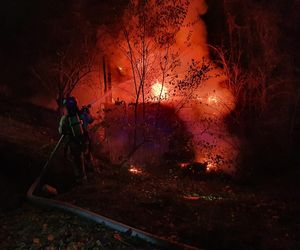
(74, 126)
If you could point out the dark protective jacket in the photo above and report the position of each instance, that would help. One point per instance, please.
(65, 127)
(79, 146)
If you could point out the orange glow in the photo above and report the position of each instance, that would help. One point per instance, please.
(191, 198)
(202, 112)
(183, 164)
(159, 91)
(135, 170)
(211, 167)
(212, 99)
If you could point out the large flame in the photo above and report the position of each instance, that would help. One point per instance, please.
(207, 108)
(159, 91)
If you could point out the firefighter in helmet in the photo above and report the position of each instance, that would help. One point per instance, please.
(73, 124)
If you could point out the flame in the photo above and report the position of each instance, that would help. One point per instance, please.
(211, 167)
(135, 170)
(212, 99)
(191, 198)
(183, 164)
(159, 91)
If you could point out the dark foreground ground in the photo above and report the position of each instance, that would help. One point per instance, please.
(210, 212)
(32, 228)
(27, 135)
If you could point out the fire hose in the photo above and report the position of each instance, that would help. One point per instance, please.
(81, 212)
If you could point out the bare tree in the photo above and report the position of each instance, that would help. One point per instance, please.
(62, 72)
(149, 30)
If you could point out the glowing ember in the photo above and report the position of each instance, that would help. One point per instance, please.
(135, 170)
(191, 198)
(159, 91)
(195, 197)
(183, 164)
(210, 167)
(121, 70)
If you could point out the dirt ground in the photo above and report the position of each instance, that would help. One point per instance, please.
(27, 135)
(32, 228)
(209, 212)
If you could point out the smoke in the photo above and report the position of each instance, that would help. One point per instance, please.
(210, 102)
(192, 37)
(204, 116)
